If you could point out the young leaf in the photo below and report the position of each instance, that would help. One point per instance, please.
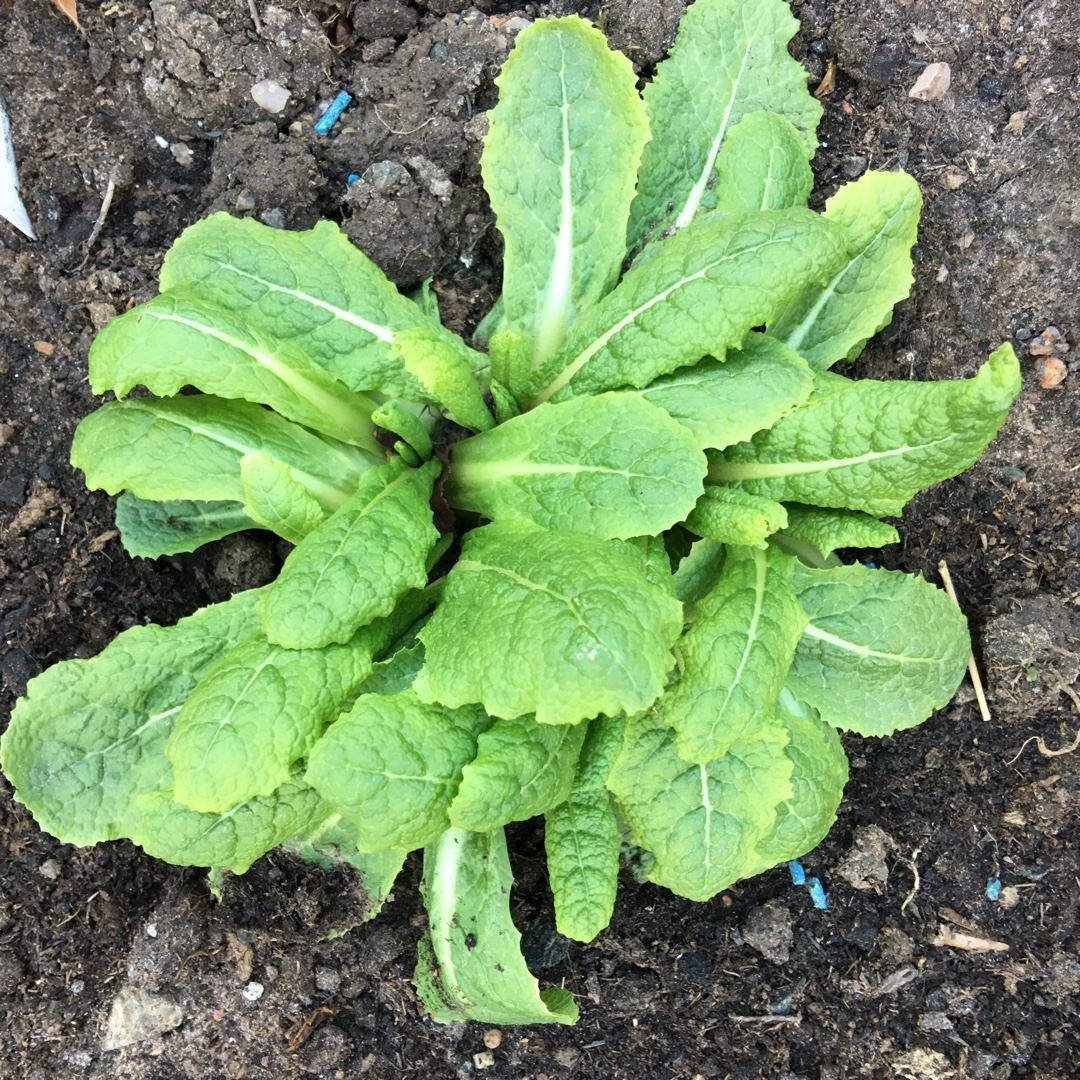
(702, 823)
(313, 289)
(192, 447)
(559, 164)
(392, 765)
(736, 517)
(558, 624)
(151, 529)
(276, 499)
(708, 286)
(446, 367)
(521, 769)
(729, 59)
(826, 530)
(833, 320)
(90, 734)
(735, 655)
(177, 340)
(726, 403)
(355, 566)
(233, 839)
(820, 773)
(470, 965)
(698, 572)
(254, 713)
(873, 445)
(881, 651)
(763, 164)
(613, 466)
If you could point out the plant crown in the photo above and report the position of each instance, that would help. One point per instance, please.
(642, 634)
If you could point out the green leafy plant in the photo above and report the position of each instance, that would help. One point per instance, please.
(588, 573)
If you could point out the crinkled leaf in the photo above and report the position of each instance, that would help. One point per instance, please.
(613, 466)
(729, 59)
(392, 765)
(521, 769)
(395, 674)
(90, 734)
(447, 368)
(701, 823)
(833, 320)
(881, 651)
(698, 571)
(151, 529)
(735, 655)
(192, 447)
(709, 285)
(233, 839)
(276, 499)
(654, 560)
(726, 403)
(470, 966)
(355, 566)
(559, 164)
(826, 530)
(558, 624)
(736, 517)
(872, 445)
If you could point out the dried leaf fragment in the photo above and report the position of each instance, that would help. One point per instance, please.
(954, 939)
(932, 83)
(69, 9)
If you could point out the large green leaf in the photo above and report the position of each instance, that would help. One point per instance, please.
(151, 529)
(704, 290)
(825, 530)
(470, 966)
(881, 651)
(89, 736)
(613, 466)
(562, 625)
(702, 823)
(277, 499)
(559, 164)
(357, 563)
(873, 445)
(729, 59)
(392, 765)
(833, 320)
(735, 655)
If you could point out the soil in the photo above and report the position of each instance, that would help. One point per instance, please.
(757, 982)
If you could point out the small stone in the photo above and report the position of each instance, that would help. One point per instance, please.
(46, 348)
(245, 201)
(865, 865)
(1049, 343)
(138, 1015)
(484, 1060)
(49, 869)
(270, 95)
(439, 52)
(1052, 372)
(932, 83)
(492, 1038)
(182, 153)
(516, 24)
(385, 175)
(151, 930)
(275, 218)
(953, 177)
(100, 313)
(253, 991)
(7, 433)
(935, 1021)
(327, 979)
(854, 165)
(769, 930)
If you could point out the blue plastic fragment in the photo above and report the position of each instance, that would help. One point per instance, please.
(351, 179)
(993, 888)
(817, 894)
(870, 565)
(798, 874)
(333, 111)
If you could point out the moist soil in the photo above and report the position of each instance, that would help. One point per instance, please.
(154, 99)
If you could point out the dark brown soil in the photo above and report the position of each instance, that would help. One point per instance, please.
(673, 989)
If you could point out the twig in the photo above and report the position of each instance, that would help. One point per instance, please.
(255, 17)
(394, 131)
(973, 671)
(768, 1018)
(103, 213)
(1038, 739)
(915, 874)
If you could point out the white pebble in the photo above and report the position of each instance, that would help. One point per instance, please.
(253, 991)
(270, 95)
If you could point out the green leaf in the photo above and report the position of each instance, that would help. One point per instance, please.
(355, 566)
(398, 418)
(89, 736)
(882, 649)
(702, 823)
(395, 674)
(192, 447)
(698, 572)
(559, 165)
(763, 164)
(311, 289)
(709, 285)
(470, 965)
(826, 530)
(521, 769)
(233, 839)
(833, 320)
(726, 403)
(872, 445)
(151, 529)
(730, 59)
(392, 765)
(178, 339)
(276, 499)
(736, 517)
(735, 655)
(255, 712)
(820, 773)
(653, 558)
(613, 466)
(558, 624)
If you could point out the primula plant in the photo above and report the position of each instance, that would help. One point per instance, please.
(585, 570)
